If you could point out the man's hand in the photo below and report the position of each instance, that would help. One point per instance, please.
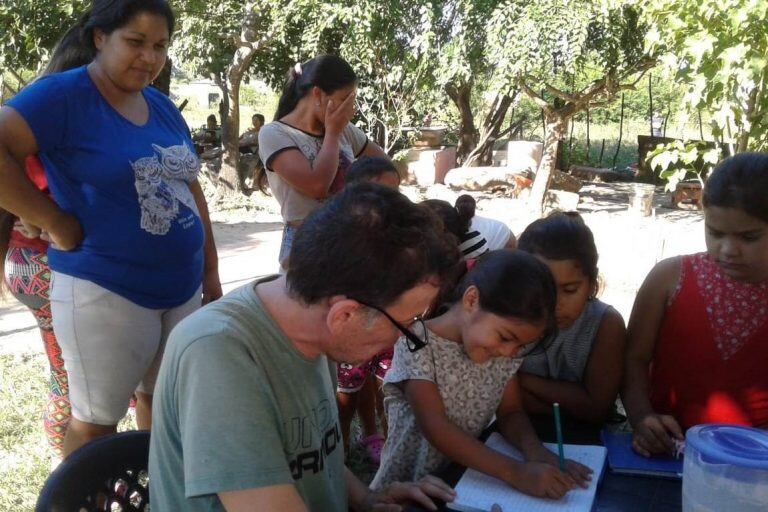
(392, 497)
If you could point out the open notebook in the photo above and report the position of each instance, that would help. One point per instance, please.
(476, 491)
(623, 460)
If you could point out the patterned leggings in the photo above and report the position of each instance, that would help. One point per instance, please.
(29, 277)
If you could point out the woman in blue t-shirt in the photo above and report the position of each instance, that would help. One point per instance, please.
(132, 250)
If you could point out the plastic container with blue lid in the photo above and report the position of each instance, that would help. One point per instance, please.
(726, 469)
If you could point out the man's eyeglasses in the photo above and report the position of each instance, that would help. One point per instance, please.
(413, 341)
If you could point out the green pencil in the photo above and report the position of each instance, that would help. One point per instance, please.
(559, 431)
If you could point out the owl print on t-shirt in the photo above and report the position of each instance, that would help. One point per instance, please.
(162, 181)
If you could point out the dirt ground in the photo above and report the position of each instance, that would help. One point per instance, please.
(248, 240)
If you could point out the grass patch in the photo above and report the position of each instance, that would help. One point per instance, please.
(25, 457)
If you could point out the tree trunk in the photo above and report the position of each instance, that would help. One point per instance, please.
(230, 125)
(482, 154)
(556, 128)
(221, 83)
(468, 135)
(621, 132)
(230, 179)
(743, 133)
(163, 81)
(379, 133)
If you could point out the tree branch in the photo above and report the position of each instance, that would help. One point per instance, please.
(559, 94)
(535, 97)
(22, 82)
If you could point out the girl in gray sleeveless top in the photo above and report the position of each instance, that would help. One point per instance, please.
(581, 366)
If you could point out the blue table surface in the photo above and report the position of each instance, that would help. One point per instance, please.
(622, 493)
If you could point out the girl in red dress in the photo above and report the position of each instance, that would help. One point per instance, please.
(698, 333)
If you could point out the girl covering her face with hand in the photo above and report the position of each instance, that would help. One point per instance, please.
(311, 142)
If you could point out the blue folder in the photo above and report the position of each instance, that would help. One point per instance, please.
(622, 459)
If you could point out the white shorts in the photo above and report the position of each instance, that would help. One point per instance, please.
(111, 346)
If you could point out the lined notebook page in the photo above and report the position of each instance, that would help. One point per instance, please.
(482, 491)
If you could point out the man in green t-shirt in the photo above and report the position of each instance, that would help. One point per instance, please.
(244, 414)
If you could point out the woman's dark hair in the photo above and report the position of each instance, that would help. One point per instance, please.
(740, 181)
(563, 236)
(512, 283)
(465, 204)
(368, 168)
(456, 222)
(69, 52)
(110, 15)
(371, 243)
(327, 72)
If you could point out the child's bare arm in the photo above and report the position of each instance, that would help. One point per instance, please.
(448, 438)
(591, 400)
(531, 402)
(651, 430)
(515, 426)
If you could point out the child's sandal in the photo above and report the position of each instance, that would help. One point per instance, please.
(372, 446)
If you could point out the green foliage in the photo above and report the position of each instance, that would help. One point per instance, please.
(565, 43)
(31, 28)
(204, 42)
(210, 33)
(390, 44)
(679, 161)
(461, 39)
(719, 50)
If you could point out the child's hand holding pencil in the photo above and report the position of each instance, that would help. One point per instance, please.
(580, 474)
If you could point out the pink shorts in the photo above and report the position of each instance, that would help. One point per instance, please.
(352, 378)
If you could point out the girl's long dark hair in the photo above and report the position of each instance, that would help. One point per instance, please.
(512, 283)
(329, 73)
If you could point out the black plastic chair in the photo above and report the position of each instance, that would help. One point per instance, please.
(107, 474)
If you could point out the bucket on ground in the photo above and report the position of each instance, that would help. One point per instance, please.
(641, 199)
(726, 469)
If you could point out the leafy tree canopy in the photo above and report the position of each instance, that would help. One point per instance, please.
(31, 28)
(719, 50)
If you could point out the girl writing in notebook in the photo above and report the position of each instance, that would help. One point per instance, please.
(440, 398)
(581, 366)
(698, 333)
